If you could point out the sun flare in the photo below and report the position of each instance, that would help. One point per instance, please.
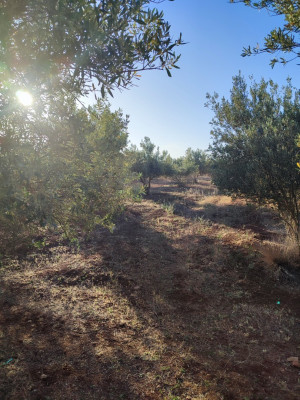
(24, 98)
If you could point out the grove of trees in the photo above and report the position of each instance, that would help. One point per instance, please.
(62, 165)
(148, 162)
(69, 167)
(193, 163)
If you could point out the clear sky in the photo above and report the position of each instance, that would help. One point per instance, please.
(171, 110)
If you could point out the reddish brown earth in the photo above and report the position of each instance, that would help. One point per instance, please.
(178, 303)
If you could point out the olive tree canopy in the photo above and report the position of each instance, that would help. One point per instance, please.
(254, 152)
(80, 45)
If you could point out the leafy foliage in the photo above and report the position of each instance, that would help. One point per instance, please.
(149, 163)
(67, 169)
(50, 46)
(194, 162)
(61, 165)
(283, 39)
(254, 150)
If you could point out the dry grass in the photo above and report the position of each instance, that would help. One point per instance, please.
(179, 303)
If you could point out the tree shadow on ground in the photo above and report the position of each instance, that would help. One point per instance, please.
(265, 224)
(246, 216)
(50, 359)
(203, 314)
(195, 294)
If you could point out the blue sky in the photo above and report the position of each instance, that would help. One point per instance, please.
(171, 110)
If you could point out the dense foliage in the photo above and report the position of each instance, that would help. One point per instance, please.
(148, 162)
(285, 39)
(65, 170)
(61, 165)
(254, 150)
(55, 46)
(193, 163)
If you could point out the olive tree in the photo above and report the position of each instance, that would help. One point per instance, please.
(76, 46)
(66, 171)
(254, 151)
(60, 164)
(193, 163)
(149, 162)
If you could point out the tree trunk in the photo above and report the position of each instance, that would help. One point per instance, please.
(147, 189)
(293, 228)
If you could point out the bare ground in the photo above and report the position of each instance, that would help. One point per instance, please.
(183, 301)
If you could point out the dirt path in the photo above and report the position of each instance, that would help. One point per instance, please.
(168, 307)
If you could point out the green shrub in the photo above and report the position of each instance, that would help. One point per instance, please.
(254, 150)
(66, 170)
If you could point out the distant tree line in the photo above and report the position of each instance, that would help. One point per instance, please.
(149, 163)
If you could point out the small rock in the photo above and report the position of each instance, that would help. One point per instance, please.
(44, 376)
(294, 361)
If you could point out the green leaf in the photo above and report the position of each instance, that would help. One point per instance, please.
(140, 21)
(110, 92)
(102, 91)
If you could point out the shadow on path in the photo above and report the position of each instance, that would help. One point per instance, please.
(155, 316)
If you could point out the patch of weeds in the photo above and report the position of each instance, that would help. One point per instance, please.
(74, 242)
(172, 397)
(149, 356)
(203, 221)
(39, 244)
(137, 193)
(200, 219)
(168, 206)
